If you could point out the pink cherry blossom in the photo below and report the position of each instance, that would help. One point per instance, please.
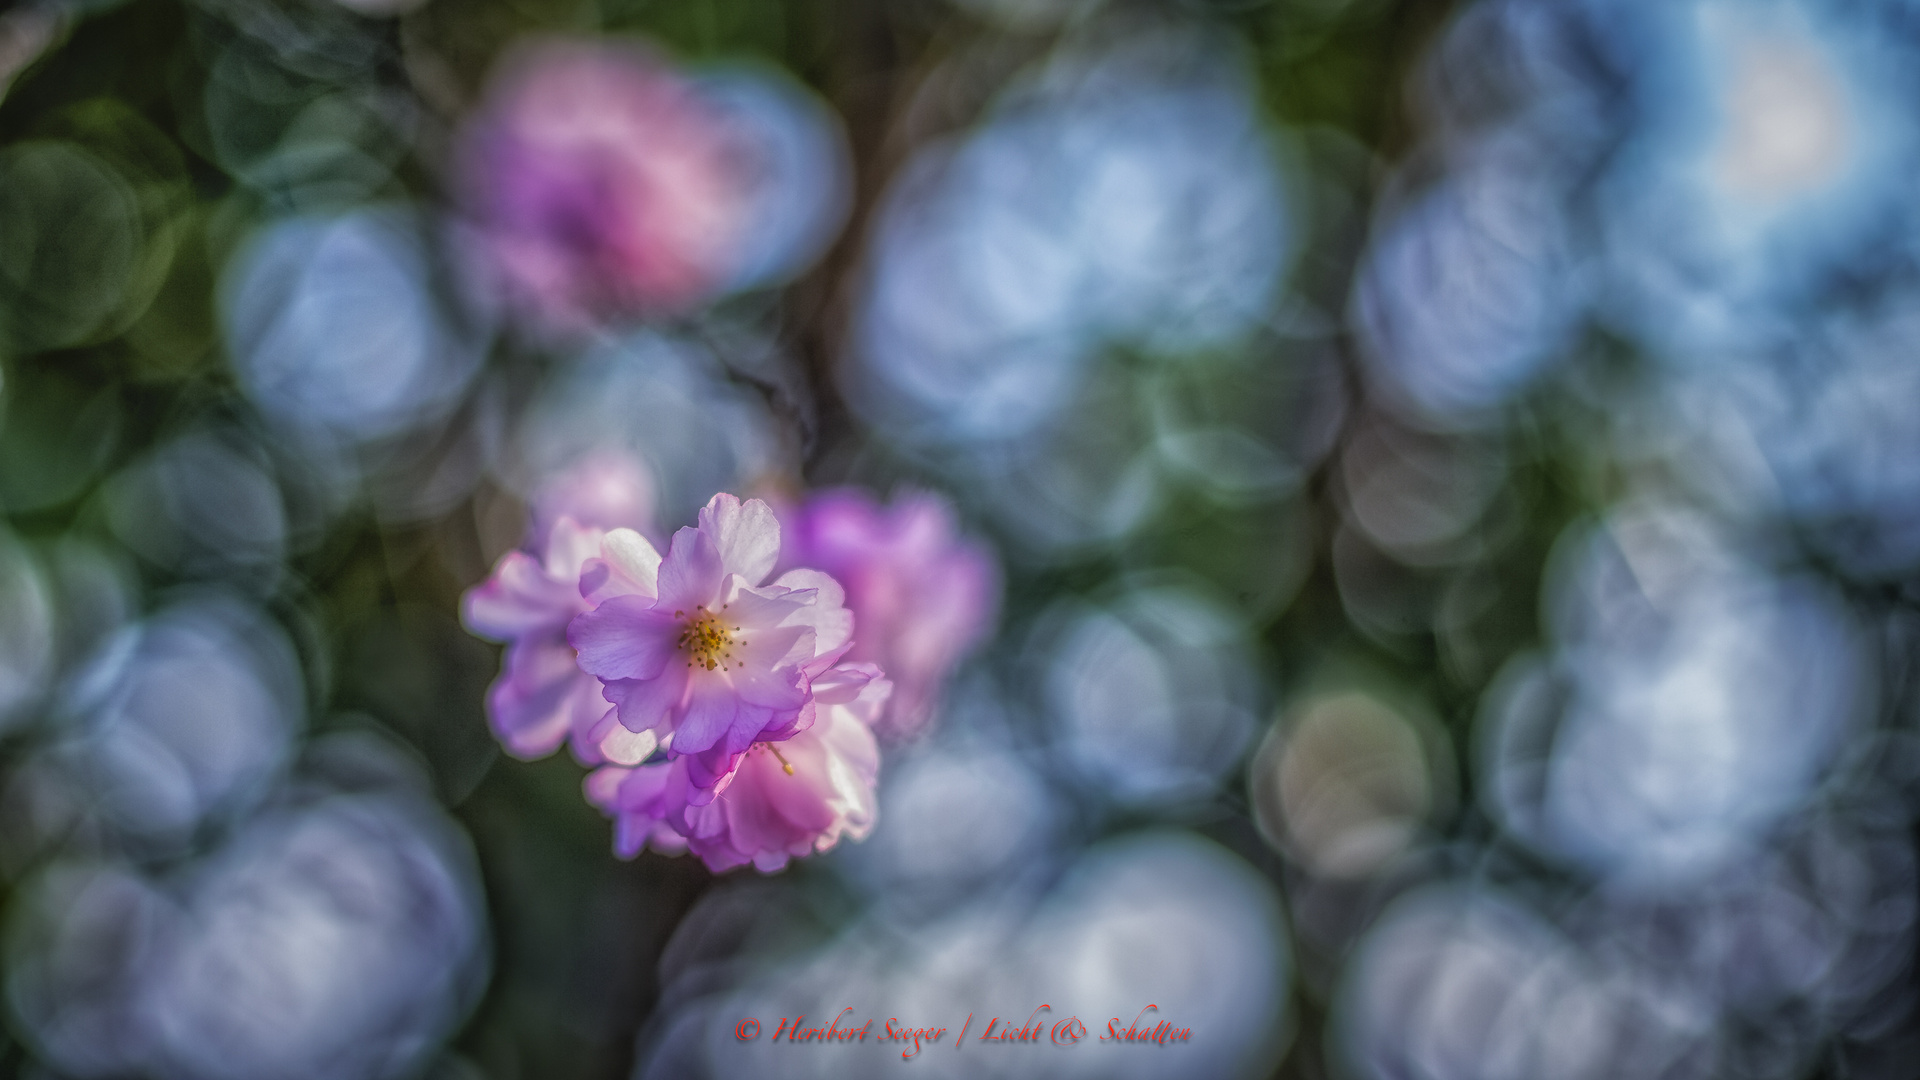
(541, 696)
(923, 594)
(785, 799)
(602, 184)
(694, 651)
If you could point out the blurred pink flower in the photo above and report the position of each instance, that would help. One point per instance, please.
(541, 696)
(922, 594)
(603, 185)
(786, 799)
(694, 652)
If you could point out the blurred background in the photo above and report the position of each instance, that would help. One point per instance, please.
(1453, 470)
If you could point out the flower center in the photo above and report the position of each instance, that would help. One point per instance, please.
(707, 641)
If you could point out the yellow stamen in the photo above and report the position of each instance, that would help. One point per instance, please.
(783, 761)
(706, 640)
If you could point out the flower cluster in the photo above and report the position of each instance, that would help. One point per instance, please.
(603, 183)
(727, 711)
(906, 569)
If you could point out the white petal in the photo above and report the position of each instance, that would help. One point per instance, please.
(620, 746)
(747, 535)
(629, 565)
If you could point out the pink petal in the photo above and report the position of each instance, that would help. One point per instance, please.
(517, 599)
(803, 800)
(602, 786)
(763, 677)
(749, 721)
(691, 574)
(617, 744)
(625, 638)
(530, 716)
(830, 592)
(665, 841)
(787, 725)
(832, 627)
(651, 789)
(707, 822)
(569, 545)
(709, 773)
(852, 742)
(630, 836)
(766, 669)
(589, 706)
(649, 704)
(832, 622)
(751, 608)
(722, 859)
(770, 862)
(843, 684)
(711, 706)
(871, 703)
(754, 822)
(628, 565)
(747, 535)
(530, 704)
